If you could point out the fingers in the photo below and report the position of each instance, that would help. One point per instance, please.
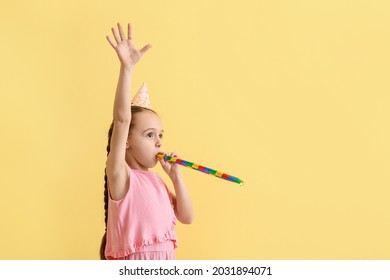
(120, 38)
(117, 39)
(145, 48)
(163, 163)
(172, 154)
(129, 33)
(121, 32)
(110, 41)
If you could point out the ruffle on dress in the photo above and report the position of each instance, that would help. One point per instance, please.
(158, 251)
(138, 246)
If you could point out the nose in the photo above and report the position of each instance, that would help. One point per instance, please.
(159, 143)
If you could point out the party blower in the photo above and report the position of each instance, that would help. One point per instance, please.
(200, 168)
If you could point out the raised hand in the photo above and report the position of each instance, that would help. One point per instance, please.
(125, 49)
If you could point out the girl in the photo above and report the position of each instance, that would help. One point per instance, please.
(140, 211)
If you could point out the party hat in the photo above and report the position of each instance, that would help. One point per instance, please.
(142, 98)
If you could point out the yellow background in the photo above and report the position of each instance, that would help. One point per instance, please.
(290, 96)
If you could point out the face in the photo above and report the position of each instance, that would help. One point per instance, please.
(145, 139)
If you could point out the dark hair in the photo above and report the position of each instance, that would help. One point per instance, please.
(134, 110)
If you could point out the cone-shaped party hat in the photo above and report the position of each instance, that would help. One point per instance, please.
(142, 98)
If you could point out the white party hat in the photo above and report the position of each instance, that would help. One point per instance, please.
(142, 98)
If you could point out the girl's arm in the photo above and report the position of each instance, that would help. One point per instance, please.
(116, 164)
(182, 200)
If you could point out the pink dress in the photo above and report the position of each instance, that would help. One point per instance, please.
(141, 226)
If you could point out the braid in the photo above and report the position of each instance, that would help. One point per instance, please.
(104, 239)
(134, 110)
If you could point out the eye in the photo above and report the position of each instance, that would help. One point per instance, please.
(150, 134)
(161, 136)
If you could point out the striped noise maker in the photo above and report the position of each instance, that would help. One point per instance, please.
(200, 168)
